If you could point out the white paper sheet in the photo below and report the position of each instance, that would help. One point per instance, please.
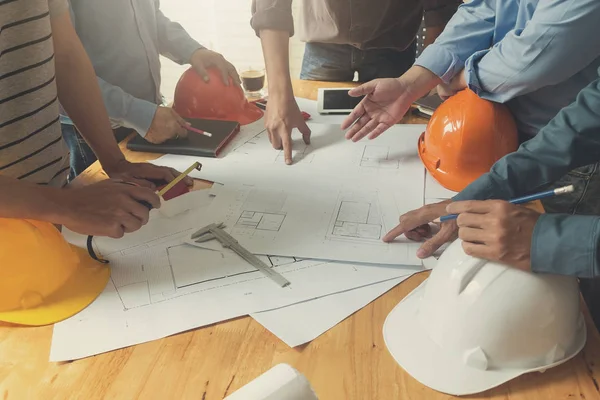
(338, 224)
(146, 299)
(278, 383)
(161, 286)
(391, 157)
(300, 323)
(433, 190)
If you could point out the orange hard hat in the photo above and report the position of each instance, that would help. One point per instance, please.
(43, 279)
(195, 98)
(465, 136)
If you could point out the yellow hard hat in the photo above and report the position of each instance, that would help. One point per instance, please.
(43, 279)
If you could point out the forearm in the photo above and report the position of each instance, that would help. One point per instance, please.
(25, 200)
(566, 245)
(419, 81)
(275, 45)
(79, 93)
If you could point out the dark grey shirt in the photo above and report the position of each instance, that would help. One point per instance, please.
(365, 24)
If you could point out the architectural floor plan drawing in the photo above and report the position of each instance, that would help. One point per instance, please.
(357, 216)
(165, 290)
(337, 224)
(378, 157)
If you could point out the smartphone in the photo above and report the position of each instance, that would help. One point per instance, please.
(336, 101)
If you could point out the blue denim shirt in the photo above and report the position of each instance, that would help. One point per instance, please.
(124, 40)
(535, 56)
(562, 244)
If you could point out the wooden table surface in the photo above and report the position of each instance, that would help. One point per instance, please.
(349, 361)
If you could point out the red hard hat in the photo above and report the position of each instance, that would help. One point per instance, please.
(195, 98)
(465, 136)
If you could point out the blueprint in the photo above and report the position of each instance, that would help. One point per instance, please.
(160, 286)
(341, 224)
(392, 157)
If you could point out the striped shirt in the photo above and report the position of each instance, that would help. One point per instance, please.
(31, 145)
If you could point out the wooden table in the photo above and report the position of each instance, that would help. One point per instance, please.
(349, 361)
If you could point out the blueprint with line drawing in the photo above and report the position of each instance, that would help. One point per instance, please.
(340, 223)
(162, 292)
(393, 154)
(160, 286)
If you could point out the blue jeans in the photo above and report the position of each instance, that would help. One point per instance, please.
(82, 155)
(585, 200)
(339, 62)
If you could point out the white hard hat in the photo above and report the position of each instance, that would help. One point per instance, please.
(474, 324)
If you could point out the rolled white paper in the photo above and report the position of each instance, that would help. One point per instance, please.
(278, 383)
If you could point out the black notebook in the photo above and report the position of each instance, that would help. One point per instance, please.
(195, 144)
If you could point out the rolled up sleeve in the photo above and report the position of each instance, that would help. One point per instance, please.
(566, 245)
(471, 29)
(560, 39)
(439, 12)
(272, 14)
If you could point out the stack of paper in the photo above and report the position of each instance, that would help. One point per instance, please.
(319, 223)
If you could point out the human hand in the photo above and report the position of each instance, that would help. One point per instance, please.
(167, 124)
(415, 226)
(281, 117)
(458, 83)
(143, 174)
(202, 59)
(384, 105)
(496, 230)
(108, 208)
(445, 91)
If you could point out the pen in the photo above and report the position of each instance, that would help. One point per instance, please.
(521, 200)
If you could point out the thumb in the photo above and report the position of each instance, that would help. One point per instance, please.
(364, 89)
(305, 131)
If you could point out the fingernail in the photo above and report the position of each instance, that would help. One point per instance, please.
(288, 161)
(421, 253)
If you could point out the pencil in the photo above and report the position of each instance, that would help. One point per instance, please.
(522, 200)
(175, 181)
(201, 132)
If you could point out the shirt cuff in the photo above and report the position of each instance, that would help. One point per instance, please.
(188, 49)
(471, 76)
(440, 61)
(482, 189)
(566, 245)
(140, 115)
